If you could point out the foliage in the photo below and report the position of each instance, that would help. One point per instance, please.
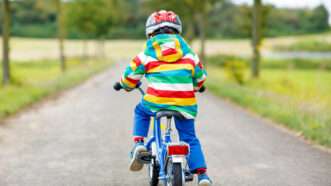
(83, 16)
(30, 15)
(306, 45)
(231, 20)
(95, 18)
(224, 18)
(296, 21)
(34, 80)
(236, 70)
(220, 60)
(300, 100)
(34, 30)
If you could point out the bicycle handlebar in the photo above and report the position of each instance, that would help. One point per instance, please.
(202, 89)
(117, 86)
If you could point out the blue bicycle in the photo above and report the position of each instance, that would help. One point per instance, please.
(166, 159)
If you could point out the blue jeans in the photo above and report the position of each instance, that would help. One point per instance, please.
(185, 130)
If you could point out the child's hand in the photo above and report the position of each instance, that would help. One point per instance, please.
(201, 89)
(118, 86)
(128, 89)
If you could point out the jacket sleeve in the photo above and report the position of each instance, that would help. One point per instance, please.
(200, 74)
(133, 73)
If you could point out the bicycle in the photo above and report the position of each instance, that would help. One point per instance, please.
(166, 159)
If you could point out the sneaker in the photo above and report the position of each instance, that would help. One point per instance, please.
(204, 180)
(138, 150)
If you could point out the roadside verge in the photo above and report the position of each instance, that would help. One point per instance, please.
(34, 80)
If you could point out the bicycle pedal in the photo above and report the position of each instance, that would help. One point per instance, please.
(144, 157)
(188, 176)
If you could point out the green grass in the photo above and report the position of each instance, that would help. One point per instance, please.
(220, 60)
(299, 99)
(311, 45)
(36, 79)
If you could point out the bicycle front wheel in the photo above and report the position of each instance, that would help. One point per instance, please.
(153, 171)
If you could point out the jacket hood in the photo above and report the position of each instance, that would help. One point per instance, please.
(167, 47)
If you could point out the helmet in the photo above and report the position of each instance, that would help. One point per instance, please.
(162, 19)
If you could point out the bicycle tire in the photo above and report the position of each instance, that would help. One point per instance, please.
(176, 175)
(154, 173)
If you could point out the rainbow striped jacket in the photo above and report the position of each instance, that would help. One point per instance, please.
(173, 73)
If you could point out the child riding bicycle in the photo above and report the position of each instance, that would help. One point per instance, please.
(173, 73)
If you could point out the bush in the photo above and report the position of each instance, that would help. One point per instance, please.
(47, 30)
(236, 70)
(221, 60)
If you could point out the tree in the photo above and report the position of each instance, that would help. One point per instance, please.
(110, 14)
(93, 19)
(61, 33)
(6, 38)
(80, 19)
(256, 37)
(50, 7)
(320, 18)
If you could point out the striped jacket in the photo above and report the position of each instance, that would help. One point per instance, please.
(173, 73)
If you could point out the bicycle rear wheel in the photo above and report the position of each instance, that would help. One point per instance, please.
(175, 173)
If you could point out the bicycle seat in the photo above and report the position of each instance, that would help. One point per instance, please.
(169, 114)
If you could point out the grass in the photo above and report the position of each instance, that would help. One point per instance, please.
(298, 98)
(311, 45)
(34, 80)
(297, 63)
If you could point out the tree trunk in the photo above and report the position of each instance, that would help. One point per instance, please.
(190, 32)
(85, 50)
(61, 34)
(6, 38)
(101, 53)
(202, 35)
(256, 38)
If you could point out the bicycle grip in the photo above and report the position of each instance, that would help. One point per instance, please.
(117, 86)
(202, 89)
(138, 84)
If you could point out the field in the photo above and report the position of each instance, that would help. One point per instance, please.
(297, 98)
(27, 49)
(312, 45)
(36, 79)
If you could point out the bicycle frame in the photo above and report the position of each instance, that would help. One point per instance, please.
(160, 144)
(166, 151)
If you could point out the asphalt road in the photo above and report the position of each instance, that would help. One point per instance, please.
(83, 138)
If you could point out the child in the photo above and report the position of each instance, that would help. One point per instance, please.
(173, 72)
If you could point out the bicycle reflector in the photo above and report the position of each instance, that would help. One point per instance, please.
(178, 149)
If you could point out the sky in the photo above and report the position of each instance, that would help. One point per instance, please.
(293, 3)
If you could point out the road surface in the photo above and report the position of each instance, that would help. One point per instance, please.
(83, 138)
